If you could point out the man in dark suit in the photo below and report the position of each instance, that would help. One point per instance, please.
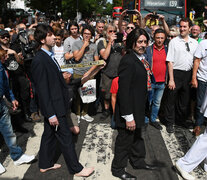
(134, 81)
(53, 98)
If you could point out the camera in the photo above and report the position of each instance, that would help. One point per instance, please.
(131, 12)
(27, 47)
(119, 38)
(154, 15)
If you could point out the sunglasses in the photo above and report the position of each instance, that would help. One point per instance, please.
(112, 31)
(171, 36)
(130, 27)
(5, 36)
(187, 47)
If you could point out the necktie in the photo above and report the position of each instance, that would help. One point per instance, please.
(149, 73)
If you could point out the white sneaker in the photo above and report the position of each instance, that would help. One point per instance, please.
(87, 118)
(79, 118)
(2, 169)
(205, 167)
(24, 159)
(183, 173)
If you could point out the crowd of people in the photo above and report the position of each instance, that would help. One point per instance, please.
(151, 71)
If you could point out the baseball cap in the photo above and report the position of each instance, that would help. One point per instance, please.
(4, 32)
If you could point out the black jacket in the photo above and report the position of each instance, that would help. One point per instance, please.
(132, 92)
(50, 85)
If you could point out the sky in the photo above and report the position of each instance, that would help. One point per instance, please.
(109, 1)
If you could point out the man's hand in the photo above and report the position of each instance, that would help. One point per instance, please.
(124, 13)
(161, 17)
(10, 51)
(194, 83)
(15, 104)
(131, 126)
(171, 85)
(53, 121)
(86, 43)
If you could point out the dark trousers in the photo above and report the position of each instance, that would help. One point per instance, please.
(201, 90)
(177, 100)
(48, 147)
(129, 145)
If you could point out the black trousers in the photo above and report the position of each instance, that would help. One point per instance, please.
(177, 100)
(48, 147)
(129, 145)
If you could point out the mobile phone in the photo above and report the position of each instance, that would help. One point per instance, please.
(119, 38)
(131, 12)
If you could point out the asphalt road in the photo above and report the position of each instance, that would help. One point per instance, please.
(95, 145)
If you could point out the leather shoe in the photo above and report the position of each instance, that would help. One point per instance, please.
(170, 129)
(145, 166)
(125, 176)
(28, 118)
(156, 125)
(197, 130)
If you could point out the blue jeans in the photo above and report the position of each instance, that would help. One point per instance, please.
(7, 132)
(155, 97)
(200, 97)
(157, 92)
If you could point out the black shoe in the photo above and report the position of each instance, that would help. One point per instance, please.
(145, 166)
(144, 128)
(28, 118)
(105, 114)
(156, 125)
(170, 129)
(125, 176)
(21, 129)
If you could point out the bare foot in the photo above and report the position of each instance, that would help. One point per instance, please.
(56, 166)
(85, 172)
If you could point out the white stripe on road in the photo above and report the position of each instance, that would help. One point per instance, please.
(97, 151)
(173, 144)
(32, 148)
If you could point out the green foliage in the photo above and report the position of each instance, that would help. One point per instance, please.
(69, 8)
(117, 3)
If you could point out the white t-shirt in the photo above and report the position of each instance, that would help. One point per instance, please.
(59, 54)
(178, 54)
(201, 53)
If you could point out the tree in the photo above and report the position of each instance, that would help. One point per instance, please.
(117, 3)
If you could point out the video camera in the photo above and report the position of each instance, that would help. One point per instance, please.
(27, 47)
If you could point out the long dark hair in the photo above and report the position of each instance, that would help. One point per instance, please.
(133, 36)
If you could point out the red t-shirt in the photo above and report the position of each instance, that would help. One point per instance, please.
(159, 64)
(114, 85)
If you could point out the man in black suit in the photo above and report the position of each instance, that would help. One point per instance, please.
(53, 98)
(134, 81)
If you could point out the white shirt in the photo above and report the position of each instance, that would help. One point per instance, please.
(59, 54)
(178, 54)
(201, 53)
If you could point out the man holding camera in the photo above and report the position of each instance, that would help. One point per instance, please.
(15, 65)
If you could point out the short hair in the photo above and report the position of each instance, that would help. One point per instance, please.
(186, 20)
(160, 30)
(41, 32)
(72, 23)
(59, 33)
(90, 28)
(100, 21)
(133, 36)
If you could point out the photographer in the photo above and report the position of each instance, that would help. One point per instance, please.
(18, 78)
(110, 49)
